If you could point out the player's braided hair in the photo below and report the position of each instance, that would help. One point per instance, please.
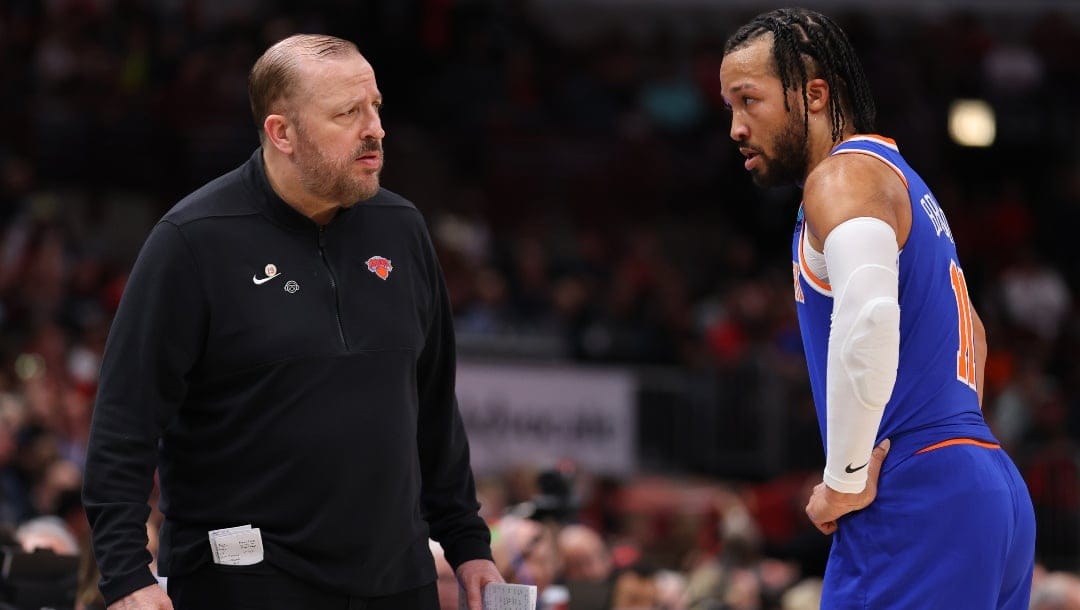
(804, 40)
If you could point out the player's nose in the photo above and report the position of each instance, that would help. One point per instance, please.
(739, 130)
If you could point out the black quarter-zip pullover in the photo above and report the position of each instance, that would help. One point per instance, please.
(289, 376)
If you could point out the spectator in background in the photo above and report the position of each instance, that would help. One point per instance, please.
(47, 533)
(671, 593)
(587, 566)
(1056, 591)
(1035, 295)
(524, 551)
(634, 587)
(584, 553)
(739, 575)
(15, 502)
(58, 479)
(805, 595)
(50, 578)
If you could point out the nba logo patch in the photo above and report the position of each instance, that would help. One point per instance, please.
(380, 266)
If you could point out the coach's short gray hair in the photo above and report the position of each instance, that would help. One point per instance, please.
(274, 77)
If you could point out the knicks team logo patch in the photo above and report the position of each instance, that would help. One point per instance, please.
(380, 266)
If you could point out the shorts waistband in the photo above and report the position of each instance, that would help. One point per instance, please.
(958, 441)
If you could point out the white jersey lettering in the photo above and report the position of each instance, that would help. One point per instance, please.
(937, 216)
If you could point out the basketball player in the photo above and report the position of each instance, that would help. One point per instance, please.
(893, 346)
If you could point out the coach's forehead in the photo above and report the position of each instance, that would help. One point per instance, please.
(324, 76)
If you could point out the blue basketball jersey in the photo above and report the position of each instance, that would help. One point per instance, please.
(934, 398)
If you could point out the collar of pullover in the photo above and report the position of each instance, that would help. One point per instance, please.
(274, 206)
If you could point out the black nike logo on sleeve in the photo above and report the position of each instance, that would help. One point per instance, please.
(848, 469)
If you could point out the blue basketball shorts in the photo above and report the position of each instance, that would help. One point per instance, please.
(952, 528)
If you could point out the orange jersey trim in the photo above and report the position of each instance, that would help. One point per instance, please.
(879, 158)
(891, 143)
(873, 136)
(958, 441)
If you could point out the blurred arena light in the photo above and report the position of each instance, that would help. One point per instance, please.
(972, 123)
(29, 366)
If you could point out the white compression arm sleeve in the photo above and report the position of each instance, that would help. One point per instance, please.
(864, 345)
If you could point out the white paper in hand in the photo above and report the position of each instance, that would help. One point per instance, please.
(503, 596)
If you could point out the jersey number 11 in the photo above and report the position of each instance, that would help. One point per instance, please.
(965, 352)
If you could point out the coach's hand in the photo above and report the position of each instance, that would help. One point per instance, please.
(473, 575)
(827, 505)
(151, 597)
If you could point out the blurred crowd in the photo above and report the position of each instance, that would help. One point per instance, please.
(574, 163)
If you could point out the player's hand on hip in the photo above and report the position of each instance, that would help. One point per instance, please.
(473, 576)
(827, 505)
(148, 598)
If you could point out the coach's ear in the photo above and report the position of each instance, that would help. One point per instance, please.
(279, 132)
(817, 95)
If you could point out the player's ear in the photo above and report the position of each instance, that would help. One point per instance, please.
(817, 94)
(279, 132)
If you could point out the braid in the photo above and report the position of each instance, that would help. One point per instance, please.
(802, 39)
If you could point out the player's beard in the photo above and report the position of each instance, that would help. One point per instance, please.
(787, 164)
(336, 179)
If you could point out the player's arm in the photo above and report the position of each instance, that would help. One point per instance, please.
(981, 351)
(844, 187)
(858, 211)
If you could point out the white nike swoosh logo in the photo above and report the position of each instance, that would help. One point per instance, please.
(266, 279)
